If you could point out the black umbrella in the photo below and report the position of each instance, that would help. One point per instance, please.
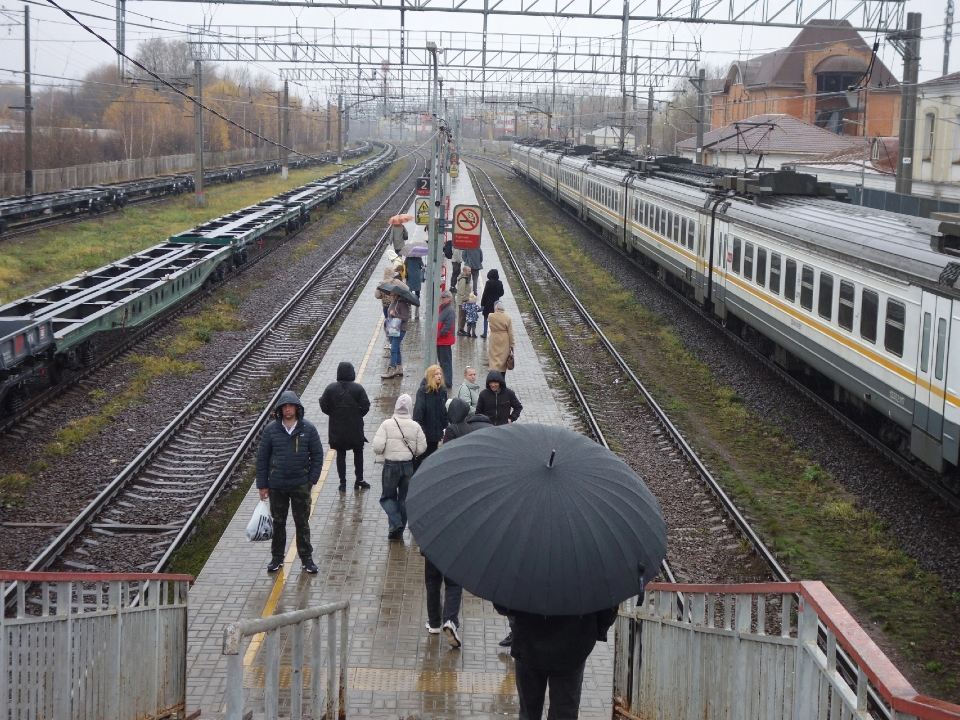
(400, 290)
(538, 519)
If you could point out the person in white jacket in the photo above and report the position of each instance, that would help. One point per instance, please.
(399, 439)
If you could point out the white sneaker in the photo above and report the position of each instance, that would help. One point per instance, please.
(432, 630)
(450, 630)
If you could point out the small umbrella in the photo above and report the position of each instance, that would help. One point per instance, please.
(414, 249)
(400, 219)
(403, 292)
(537, 518)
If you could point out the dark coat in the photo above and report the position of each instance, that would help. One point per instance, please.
(492, 291)
(414, 269)
(460, 423)
(288, 460)
(498, 406)
(346, 402)
(430, 411)
(558, 643)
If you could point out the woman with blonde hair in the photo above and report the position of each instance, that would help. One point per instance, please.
(430, 411)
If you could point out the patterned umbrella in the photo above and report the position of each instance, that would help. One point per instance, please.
(400, 219)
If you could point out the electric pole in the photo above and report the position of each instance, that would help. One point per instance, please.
(700, 84)
(198, 134)
(285, 135)
(121, 38)
(908, 102)
(650, 120)
(27, 108)
(947, 36)
(339, 129)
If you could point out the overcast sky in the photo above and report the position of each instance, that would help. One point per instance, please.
(63, 50)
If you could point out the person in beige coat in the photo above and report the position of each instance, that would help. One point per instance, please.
(501, 339)
(399, 439)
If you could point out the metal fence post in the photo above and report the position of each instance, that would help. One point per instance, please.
(271, 683)
(331, 662)
(342, 700)
(316, 667)
(114, 677)
(64, 685)
(296, 672)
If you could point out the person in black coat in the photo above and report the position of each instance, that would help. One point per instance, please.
(346, 402)
(498, 402)
(430, 409)
(553, 650)
(492, 291)
(461, 422)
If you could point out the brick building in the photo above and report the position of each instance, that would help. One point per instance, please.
(808, 80)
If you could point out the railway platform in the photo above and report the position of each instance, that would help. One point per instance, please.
(395, 667)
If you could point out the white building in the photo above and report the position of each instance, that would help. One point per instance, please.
(937, 144)
(608, 137)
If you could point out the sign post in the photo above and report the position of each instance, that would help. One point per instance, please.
(422, 206)
(467, 226)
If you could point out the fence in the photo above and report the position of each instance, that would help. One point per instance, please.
(234, 634)
(738, 652)
(83, 645)
(53, 179)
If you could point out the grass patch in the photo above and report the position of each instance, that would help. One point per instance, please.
(13, 487)
(815, 526)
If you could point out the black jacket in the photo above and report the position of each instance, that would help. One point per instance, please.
(430, 411)
(498, 406)
(558, 643)
(346, 402)
(492, 291)
(288, 460)
(460, 424)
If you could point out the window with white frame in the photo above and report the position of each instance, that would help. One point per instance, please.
(929, 134)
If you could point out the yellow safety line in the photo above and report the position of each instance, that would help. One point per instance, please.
(254, 647)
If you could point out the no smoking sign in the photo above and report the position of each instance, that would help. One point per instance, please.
(467, 223)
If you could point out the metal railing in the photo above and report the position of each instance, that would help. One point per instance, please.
(83, 645)
(740, 651)
(336, 695)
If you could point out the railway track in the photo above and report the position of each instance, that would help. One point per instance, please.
(549, 283)
(122, 346)
(151, 507)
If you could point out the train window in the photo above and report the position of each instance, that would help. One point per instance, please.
(825, 301)
(761, 266)
(941, 346)
(925, 345)
(845, 311)
(893, 332)
(691, 232)
(748, 261)
(683, 231)
(806, 288)
(775, 273)
(737, 242)
(869, 309)
(790, 281)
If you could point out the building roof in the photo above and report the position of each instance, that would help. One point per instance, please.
(772, 134)
(784, 67)
(852, 158)
(943, 80)
(607, 132)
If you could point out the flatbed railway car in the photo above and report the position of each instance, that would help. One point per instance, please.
(865, 298)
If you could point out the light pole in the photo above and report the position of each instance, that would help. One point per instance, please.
(433, 226)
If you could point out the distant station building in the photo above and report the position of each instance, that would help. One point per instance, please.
(808, 79)
(608, 136)
(937, 142)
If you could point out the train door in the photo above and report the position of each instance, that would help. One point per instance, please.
(930, 393)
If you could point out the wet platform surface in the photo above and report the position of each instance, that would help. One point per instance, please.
(396, 667)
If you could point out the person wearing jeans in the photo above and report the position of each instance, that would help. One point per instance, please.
(446, 618)
(399, 440)
(399, 308)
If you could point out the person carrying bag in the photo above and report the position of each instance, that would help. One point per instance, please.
(400, 441)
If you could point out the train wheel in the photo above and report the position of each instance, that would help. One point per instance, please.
(88, 354)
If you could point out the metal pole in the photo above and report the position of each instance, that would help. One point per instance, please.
(650, 119)
(947, 36)
(908, 103)
(27, 108)
(198, 135)
(433, 230)
(121, 38)
(280, 125)
(624, 34)
(701, 99)
(285, 134)
(339, 130)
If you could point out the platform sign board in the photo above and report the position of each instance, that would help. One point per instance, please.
(467, 223)
(422, 212)
(423, 186)
(454, 170)
(455, 159)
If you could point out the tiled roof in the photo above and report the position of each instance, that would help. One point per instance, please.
(772, 134)
(852, 158)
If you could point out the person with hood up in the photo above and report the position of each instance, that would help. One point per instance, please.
(399, 439)
(446, 337)
(430, 410)
(492, 291)
(462, 422)
(474, 258)
(501, 339)
(498, 402)
(469, 391)
(414, 278)
(289, 461)
(346, 402)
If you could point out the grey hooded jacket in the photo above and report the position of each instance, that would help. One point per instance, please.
(288, 460)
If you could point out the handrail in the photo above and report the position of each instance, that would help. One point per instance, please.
(14, 576)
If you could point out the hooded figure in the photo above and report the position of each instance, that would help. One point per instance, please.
(499, 403)
(289, 460)
(346, 402)
(399, 439)
(492, 291)
(461, 422)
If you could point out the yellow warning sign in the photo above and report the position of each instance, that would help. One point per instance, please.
(454, 170)
(423, 212)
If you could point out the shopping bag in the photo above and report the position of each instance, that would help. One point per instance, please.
(393, 327)
(260, 526)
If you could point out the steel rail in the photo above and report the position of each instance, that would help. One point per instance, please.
(37, 402)
(86, 516)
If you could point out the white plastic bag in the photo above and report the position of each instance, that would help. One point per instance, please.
(260, 526)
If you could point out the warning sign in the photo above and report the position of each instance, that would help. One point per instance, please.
(467, 223)
(423, 186)
(454, 170)
(423, 212)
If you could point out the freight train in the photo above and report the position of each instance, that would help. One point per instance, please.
(863, 299)
(60, 328)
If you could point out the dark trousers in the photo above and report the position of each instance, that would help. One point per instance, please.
(475, 277)
(445, 361)
(393, 499)
(461, 318)
(452, 596)
(282, 500)
(431, 449)
(342, 464)
(456, 274)
(565, 690)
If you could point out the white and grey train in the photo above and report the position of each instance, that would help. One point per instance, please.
(867, 298)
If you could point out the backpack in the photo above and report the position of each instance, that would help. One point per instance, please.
(406, 235)
(448, 250)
